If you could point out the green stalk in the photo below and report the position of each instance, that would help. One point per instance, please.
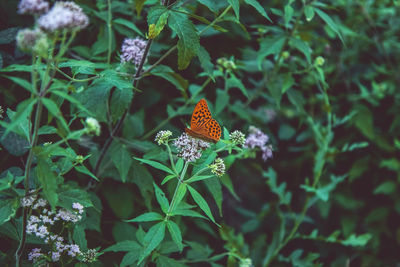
(109, 27)
(180, 181)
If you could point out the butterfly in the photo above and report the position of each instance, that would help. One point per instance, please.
(202, 125)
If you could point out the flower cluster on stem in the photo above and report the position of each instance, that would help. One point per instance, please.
(189, 148)
(258, 139)
(133, 50)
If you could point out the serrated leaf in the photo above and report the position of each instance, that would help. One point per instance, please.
(215, 188)
(156, 165)
(188, 44)
(152, 239)
(21, 82)
(120, 101)
(147, 217)
(201, 203)
(21, 115)
(155, 29)
(161, 199)
(8, 207)
(176, 234)
(205, 61)
(79, 236)
(84, 170)
(258, 7)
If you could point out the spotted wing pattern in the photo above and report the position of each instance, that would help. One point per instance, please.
(202, 125)
(201, 114)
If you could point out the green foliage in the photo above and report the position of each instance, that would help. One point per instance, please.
(312, 85)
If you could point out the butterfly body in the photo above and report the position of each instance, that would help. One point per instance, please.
(202, 125)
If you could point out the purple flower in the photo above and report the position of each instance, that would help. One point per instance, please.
(133, 50)
(73, 250)
(63, 15)
(34, 254)
(258, 139)
(78, 207)
(33, 7)
(190, 149)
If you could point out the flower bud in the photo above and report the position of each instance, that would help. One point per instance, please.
(92, 126)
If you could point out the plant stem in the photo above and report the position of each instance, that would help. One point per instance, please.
(180, 181)
(119, 123)
(109, 28)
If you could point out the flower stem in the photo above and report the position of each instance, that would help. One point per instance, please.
(109, 28)
(180, 181)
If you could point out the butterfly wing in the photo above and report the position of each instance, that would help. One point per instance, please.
(201, 114)
(213, 130)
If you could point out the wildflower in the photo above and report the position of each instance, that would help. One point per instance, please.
(237, 137)
(33, 7)
(319, 61)
(89, 256)
(35, 254)
(218, 167)
(63, 15)
(55, 256)
(226, 64)
(32, 41)
(40, 203)
(245, 263)
(162, 137)
(92, 126)
(78, 207)
(68, 216)
(190, 149)
(133, 50)
(73, 250)
(258, 139)
(28, 200)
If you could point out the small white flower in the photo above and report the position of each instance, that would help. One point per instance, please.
(92, 126)
(162, 137)
(33, 7)
(190, 149)
(78, 207)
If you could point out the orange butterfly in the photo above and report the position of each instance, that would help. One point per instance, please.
(202, 125)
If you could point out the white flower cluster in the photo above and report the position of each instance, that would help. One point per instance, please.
(162, 137)
(63, 15)
(133, 50)
(33, 7)
(189, 148)
(40, 226)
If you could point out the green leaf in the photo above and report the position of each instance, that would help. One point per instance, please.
(130, 258)
(152, 239)
(258, 7)
(234, 82)
(55, 111)
(163, 261)
(288, 14)
(324, 191)
(168, 177)
(126, 245)
(215, 188)
(8, 207)
(79, 236)
(170, 75)
(201, 203)
(309, 12)
(270, 46)
(128, 24)
(188, 44)
(147, 217)
(357, 241)
(84, 170)
(180, 194)
(325, 17)
(67, 197)
(139, 6)
(71, 99)
(24, 109)
(235, 6)
(156, 165)
(120, 101)
(120, 199)
(176, 234)
(210, 4)
(302, 46)
(155, 29)
(21, 82)
(197, 178)
(179, 165)
(386, 188)
(205, 61)
(122, 160)
(48, 181)
(161, 199)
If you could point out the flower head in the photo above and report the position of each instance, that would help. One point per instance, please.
(35, 254)
(319, 61)
(133, 50)
(218, 167)
(33, 7)
(78, 206)
(63, 15)
(162, 137)
(89, 256)
(237, 137)
(190, 149)
(92, 126)
(32, 41)
(245, 263)
(258, 139)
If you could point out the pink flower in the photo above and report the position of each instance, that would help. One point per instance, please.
(133, 50)
(33, 7)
